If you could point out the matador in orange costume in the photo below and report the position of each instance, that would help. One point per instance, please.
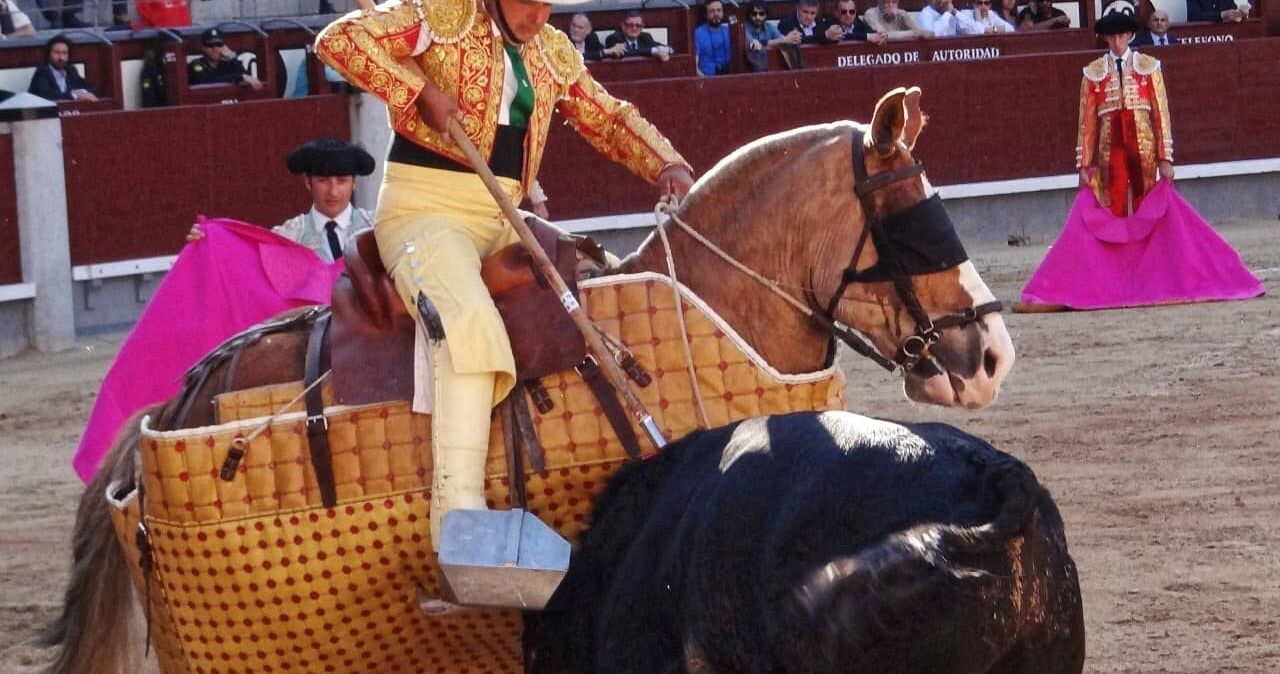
(1125, 141)
(497, 68)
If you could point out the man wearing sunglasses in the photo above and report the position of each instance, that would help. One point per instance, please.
(981, 20)
(851, 27)
(631, 39)
(218, 64)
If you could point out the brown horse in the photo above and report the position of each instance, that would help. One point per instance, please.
(785, 207)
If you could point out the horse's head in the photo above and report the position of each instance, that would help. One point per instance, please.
(897, 273)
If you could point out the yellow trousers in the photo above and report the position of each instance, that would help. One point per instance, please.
(433, 229)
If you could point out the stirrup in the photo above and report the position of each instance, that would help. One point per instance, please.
(500, 558)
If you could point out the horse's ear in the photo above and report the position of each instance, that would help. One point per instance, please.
(888, 121)
(915, 117)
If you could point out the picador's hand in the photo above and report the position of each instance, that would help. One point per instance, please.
(675, 180)
(436, 107)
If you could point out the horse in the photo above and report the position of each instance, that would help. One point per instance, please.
(818, 542)
(837, 242)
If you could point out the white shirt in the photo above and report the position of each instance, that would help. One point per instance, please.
(970, 24)
(319, 220)
(1160, 40)
(20, 19)
(942, 25)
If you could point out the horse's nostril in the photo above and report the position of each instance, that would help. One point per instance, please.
(989, 362)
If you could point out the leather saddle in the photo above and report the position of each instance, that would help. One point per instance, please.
(371, 335)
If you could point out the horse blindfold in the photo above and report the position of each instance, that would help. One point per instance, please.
(918, 240)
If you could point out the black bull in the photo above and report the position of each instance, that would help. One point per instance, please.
(819, 543)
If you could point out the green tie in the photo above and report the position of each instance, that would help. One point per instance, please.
(522, 104)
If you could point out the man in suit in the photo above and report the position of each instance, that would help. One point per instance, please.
(805, 21)
(1157, 33)
(55, 79)
(631, 39)
(328, 168)
(584, 39)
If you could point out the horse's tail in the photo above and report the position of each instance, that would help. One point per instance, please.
(900, 585)
(93, 633)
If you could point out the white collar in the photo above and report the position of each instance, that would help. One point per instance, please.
(1126, 56)
(320, 219)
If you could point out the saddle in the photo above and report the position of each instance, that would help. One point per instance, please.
(372, 333)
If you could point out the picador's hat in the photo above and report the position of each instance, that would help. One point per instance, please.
(1117, 18)
(330, 157)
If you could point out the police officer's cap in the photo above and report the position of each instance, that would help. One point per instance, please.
(211, 37)
(330, 157)
(1118, 18)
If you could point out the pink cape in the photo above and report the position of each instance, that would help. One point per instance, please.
(1164, 253)
(234, 277)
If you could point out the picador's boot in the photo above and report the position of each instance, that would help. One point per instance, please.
(509, 558)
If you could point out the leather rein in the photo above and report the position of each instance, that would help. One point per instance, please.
(913, 349)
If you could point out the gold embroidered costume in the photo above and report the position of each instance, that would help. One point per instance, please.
(1123, 109)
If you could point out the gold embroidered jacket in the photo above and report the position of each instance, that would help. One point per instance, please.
(464, 58)
(1140, 88)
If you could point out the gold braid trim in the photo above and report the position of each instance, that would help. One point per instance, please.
(450, 20)
(366, 49)
(616, 129)
(1160, 116)
(563, 62)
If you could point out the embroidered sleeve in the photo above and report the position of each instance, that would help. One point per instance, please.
(1160, 118)
(1087, 138)
(616, 129)
(367, 47)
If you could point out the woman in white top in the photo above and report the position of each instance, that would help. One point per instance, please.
(981, 20)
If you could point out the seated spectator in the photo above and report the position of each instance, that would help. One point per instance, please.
(584, 39)
(56, 79)
(1007, 11)
(711, 41)
(59, 15)
(941, 18)
(219, 64)
(1214, 10)
(849, 26)
(13, 21)
(1157, 32)
(761, 35)
(981, 20)
(632, 40)
(1042, 15)
(805, 21)
(896, 24)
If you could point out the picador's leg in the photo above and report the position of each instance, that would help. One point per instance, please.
(459, 438)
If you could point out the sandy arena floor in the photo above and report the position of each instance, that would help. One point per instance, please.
(1158, 431)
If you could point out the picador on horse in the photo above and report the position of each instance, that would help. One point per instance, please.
(264, 538)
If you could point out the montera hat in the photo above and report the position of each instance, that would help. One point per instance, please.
(330, 157)
(211, 37)
(1117, 18)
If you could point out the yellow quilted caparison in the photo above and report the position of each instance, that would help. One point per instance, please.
(257, 576)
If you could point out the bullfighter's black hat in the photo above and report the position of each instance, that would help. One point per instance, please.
(330, 157)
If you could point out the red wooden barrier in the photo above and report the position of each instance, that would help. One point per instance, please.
(10, 253)
(137, 179)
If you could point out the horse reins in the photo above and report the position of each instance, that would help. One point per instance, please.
(928, 331)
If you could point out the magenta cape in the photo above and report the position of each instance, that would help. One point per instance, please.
(1164, 253)
(234, 277)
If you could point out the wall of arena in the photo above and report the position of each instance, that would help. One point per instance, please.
(1000, 145)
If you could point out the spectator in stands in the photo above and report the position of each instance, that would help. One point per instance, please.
(631, 39)
(1042, 15)
(895, 23)
(13, 21)
(981, 20)
(711, 41)
(761, 35)
(56, 79)
(941, 18)
(805, 20)
(851, 27)
(219, 64)
(328, 168)
(1157, 32)
(59, 16)
(584, 39)
(1007, 10)
(1214, 10)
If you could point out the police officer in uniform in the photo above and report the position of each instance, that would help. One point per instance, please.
(219, 64)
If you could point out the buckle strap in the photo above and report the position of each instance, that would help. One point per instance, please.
(613, 412)
(317, 363)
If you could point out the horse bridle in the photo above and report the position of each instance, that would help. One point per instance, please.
(897, 266)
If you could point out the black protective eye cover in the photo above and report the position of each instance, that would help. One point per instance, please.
(919, 240)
